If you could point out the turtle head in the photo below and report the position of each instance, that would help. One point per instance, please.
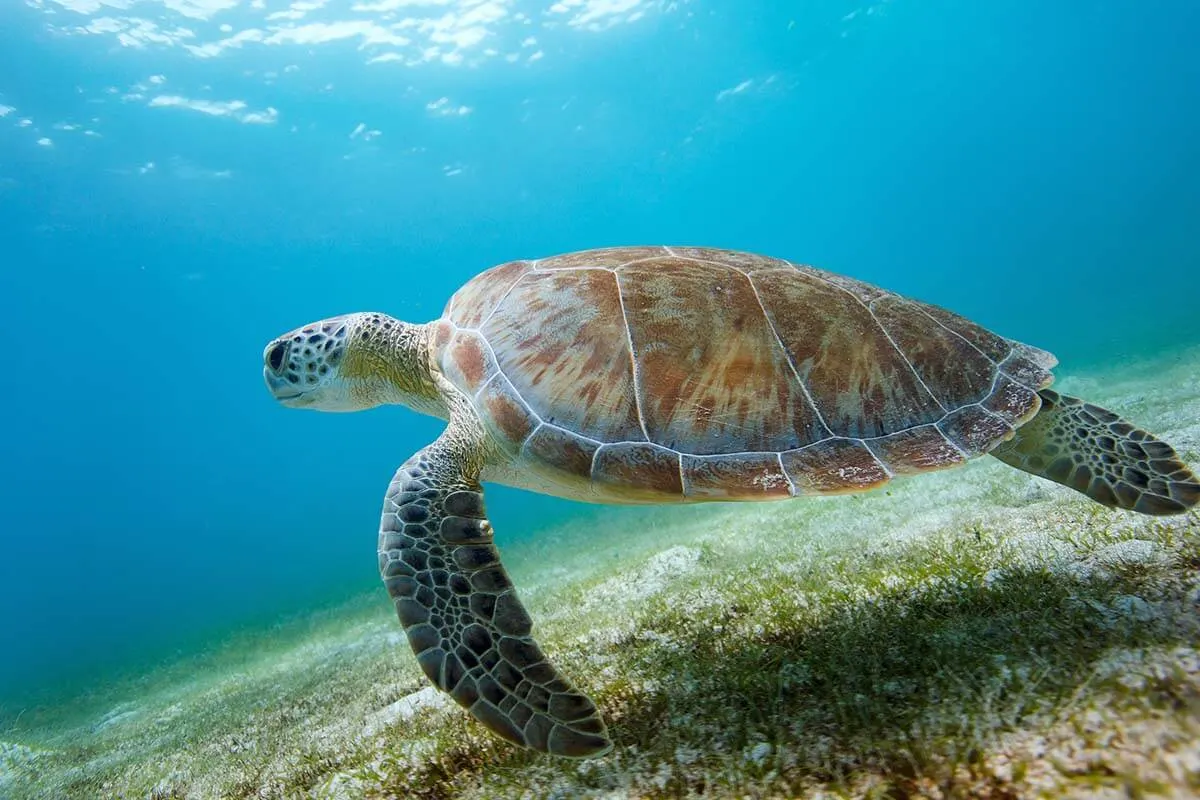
(349, 363)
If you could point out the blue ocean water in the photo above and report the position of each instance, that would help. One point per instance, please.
(181, 180)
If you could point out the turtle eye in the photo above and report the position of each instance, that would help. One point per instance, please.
(275, 356)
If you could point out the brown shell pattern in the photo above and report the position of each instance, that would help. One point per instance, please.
(655, 374)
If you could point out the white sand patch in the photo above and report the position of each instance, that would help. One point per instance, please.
(13, 758)
(407, 707)
(118, 715)
(652, 577)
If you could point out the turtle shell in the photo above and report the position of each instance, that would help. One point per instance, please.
(657, 374)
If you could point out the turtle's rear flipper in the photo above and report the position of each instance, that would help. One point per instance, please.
(469, 631)
(1094, 451)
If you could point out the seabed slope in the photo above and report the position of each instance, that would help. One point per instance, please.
(974, 633)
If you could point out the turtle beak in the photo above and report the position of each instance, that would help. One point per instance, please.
(280, 388)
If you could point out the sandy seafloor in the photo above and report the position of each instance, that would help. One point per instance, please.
(971, 633)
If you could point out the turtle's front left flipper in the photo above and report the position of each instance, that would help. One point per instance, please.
(462, 616)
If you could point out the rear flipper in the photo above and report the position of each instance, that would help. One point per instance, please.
(1094, 451)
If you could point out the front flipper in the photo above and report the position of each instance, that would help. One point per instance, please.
(462, 616)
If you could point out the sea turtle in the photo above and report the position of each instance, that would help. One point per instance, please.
(672, 375)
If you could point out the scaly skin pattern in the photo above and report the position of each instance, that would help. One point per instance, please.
(386, 357)
(1093, 451)
(459, 609)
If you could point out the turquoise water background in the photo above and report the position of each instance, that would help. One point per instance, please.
(181, 180)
